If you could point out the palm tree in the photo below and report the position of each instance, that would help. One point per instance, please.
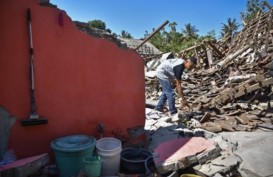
(190, 31)
(229, 29)
(173, 26)
(253, 7)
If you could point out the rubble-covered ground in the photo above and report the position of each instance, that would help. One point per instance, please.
(230, 97)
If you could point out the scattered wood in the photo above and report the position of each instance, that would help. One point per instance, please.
(233, 77)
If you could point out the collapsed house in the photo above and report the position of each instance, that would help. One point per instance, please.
(234, 82)
(230, 91)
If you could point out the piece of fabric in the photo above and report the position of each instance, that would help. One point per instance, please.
(178, 71)
(170, 69)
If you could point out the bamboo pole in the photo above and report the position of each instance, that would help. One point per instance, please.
(151, 35)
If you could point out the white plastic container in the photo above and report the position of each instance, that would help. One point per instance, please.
(109, 150)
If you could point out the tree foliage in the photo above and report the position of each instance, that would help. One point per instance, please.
(125, 34)
(175, 41)
(190, 31)
(97, 24)
(230, 28)
(169, 39)
(253, 7)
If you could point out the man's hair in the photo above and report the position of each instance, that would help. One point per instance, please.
(193, 60)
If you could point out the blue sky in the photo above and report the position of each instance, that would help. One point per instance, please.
(138, 16)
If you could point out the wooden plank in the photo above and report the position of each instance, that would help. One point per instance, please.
(239, 93)
(253, 88)
(267, 82)
(215, 49)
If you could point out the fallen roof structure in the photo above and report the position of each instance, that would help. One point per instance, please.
(236, 86)
(232, 92)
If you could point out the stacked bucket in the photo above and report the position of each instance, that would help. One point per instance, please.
(76, 153)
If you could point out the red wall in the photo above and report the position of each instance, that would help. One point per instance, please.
(80, 80)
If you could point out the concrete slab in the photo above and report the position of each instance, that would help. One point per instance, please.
(182, 152)
(225, 164)
(256, 151)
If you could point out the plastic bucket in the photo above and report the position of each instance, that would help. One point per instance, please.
(92, 166)
(69, 152)
(109, 150)
(134, 160)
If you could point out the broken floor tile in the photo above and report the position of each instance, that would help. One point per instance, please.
(225, 126)
(243, 119)
(212, 127)
(225, 144)
(161, 135)
(180, 153)
(209, 154)
(241, 127)
(255, 149)
(227, 164)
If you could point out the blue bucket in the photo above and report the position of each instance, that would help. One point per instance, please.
(69, 152)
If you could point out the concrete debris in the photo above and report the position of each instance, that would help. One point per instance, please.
(178, 147)
(235, 83)
(231, 92)
(255, 149)
(180, 153)
(224, 165)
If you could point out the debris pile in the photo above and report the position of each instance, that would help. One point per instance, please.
(233, 92)
(178, 148)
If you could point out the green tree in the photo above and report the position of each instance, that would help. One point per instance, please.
(157, 40)
(173, 39)
(229, 29)
(108, 30)
(125, 34)
(190, 31)
(167, 41)
(211, 35)
(253, 7)
(97, 24)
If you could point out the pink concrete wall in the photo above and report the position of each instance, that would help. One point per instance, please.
(80, 80)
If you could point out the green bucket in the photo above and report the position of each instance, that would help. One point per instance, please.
(69, 152)
(92, 166)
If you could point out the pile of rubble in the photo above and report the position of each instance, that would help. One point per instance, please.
(233, 92)
(178, 148)
(230, 91)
